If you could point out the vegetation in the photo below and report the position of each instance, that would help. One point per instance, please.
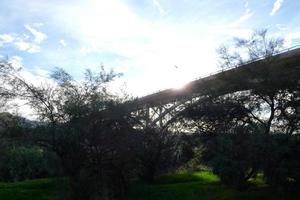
(106, 149)
(184, 186)
(39, 189)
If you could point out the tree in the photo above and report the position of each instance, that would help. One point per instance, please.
(224, 131)
(237, 129)
(267, 100)
(156, 152)
(86, 126)
(5, 93)
(258, 46)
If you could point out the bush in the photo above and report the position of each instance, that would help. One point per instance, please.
(157, 151)
(238, 157)
(281, 160)
(232, 157)
(21, 163)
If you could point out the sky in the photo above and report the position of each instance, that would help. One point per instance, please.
(156, 44)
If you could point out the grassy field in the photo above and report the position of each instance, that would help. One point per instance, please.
(198, 185)
(40, 189)
(187, 186)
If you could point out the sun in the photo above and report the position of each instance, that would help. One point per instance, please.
(179, 84)
(178, 81)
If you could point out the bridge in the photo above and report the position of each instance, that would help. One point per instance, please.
(158, 108)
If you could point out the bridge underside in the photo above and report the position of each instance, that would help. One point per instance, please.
(160, 108)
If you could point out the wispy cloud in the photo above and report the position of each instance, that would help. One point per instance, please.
(291, 36)
(141, 46)
(133, 37)
(23, 45)
(24, 42)
(38, 36)
(6, 38)
(16, 61)
(157, 4)
(276, 6)
(63, 43)
(247, 15)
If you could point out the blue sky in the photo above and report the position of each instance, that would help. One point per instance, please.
(144, 39)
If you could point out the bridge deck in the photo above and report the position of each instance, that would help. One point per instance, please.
(285, 64)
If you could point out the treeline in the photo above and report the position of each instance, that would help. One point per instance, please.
(100, 143)
(20, 157)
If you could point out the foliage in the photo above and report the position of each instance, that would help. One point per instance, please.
(11, 127)
(101, 146)
(21, 163)
(20, 159)
(237, 130)
(247, 131)
(100, 160)
(281, 161)
(84, 125)
(232, 157)
(156, 152)
(224, 131)
(258, 46)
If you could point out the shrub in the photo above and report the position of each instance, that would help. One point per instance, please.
(281, 160)
(232, 157)
(21, 163)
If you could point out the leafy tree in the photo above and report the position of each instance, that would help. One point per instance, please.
(85, 126)
(225, 131)
(272, 89)
(156, 152)
(23, 162)
(20, 159)
(236, 129)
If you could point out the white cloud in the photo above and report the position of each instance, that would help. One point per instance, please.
(22, 45)
(281, 27)
(26, 46)
(146, 48)
(38, 78)
(16, 62)
(246, 16)
(6, 38)
(157, 4)
(63, 43)
(39, 37)
(23, 41)
(238, 32)
(34, 49)
(85, 50)
(290, 37)
(42, 72)
(38, 24)
(276, 6)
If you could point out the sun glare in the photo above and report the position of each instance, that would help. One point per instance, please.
(179, 84)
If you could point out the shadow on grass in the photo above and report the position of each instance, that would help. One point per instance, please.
(39, 189)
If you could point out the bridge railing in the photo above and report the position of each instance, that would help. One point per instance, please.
(250, 61)
(245, 63)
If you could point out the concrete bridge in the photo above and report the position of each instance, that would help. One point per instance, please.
(158, 108)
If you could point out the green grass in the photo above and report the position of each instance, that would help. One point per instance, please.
(185, 186)
(198, 186)
(39, 189)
